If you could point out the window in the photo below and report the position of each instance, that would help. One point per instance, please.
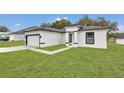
(89, 37)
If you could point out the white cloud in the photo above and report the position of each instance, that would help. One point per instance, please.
(121, 27)
(65, 18)
(17, 24)
(58, 19)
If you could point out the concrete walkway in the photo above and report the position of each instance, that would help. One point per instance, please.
(49, 52)
(11, 49)
(18, 48)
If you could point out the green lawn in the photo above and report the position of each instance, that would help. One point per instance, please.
(76, 62)
(11, 43)
(51, 48)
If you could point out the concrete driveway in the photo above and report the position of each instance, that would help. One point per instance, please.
(11, 49)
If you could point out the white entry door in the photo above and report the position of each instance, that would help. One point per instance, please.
(33, 40)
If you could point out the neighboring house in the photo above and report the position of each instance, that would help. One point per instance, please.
(73, 36)
(119, 37)
(4, 35)
(15, 36)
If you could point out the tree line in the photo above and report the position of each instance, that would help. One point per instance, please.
(4, 29)
(86, 21)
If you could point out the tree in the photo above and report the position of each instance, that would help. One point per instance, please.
(45, 24)
(61, 23)
(113, 26)
(4, 29)
(86, 21)
(101, 21)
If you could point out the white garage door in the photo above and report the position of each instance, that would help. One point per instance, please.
(33, 40)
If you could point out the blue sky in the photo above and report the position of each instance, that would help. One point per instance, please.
(16, 22)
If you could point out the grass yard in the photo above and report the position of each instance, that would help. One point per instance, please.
(51, 48)
(76, 62)
(11, 43)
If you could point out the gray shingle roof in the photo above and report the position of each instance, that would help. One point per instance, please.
(53, 29)
(43, 28)
(17, 32)
(81, 28)
(30, 28)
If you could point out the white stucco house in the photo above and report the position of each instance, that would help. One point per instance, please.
(15, 36)
(71, 36)
(119, 37)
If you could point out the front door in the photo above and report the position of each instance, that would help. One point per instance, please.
(70, 39)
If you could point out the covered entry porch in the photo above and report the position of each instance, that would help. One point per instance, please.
(72, 36)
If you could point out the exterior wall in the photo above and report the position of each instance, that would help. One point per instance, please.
(120, 40)
(100, 39)
(55, 38)
(49, 38)
(71, 28)
(11, 37)
(63, 38)
(15, 37)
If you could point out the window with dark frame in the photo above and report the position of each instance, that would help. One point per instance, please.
(89, 37)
